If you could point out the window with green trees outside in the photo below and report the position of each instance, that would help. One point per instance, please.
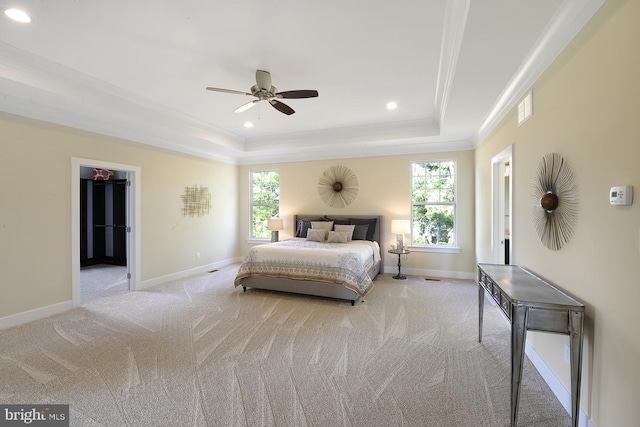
(265, 201)
(433, 203)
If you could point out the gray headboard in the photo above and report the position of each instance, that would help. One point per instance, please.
(377, 234)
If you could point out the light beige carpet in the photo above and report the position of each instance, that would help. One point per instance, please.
(102, 280)
(202, 353)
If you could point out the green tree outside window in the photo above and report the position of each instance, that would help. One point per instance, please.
(265, 201)
(433, 199)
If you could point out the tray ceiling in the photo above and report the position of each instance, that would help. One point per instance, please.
(138, 70)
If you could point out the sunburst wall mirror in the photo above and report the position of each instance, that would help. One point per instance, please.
(555, 201)
(338, 186)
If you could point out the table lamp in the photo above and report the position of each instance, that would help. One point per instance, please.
(275, 225)
(400, 227)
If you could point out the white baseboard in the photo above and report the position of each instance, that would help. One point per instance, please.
(563, 395)
(38, 313)
(145, 284)
(445, 274)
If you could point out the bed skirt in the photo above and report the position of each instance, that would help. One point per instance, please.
(306, 287)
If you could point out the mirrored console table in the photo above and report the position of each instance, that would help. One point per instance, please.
(530, 303)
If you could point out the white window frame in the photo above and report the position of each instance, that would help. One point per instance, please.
(453, 248)
(252, 205)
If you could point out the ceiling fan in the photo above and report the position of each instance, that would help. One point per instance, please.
(265, 91)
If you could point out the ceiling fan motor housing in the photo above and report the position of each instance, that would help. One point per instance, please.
(262, 94)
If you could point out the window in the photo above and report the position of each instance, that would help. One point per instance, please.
(265, 201)
(433, 203)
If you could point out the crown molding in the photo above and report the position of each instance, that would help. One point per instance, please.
(40, 89)
(351, 135)
(566, 23)
(368, 149)
(453, 33)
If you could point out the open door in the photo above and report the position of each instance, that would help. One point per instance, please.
(501, 187)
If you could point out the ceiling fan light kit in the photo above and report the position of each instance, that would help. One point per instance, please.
(263, 90)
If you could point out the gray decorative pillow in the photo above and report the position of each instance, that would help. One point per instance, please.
(317, 235)
(304, 224)
(345, 228)
(322, 225)
(371, 222)
(343, 221)
(360, 232)
(337, 237)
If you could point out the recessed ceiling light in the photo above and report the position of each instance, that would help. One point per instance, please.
(391, 105)
(248, 124)
(17, 15)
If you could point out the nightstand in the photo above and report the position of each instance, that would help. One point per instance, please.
(399, 252)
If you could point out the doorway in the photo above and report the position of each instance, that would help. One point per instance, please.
(105, 237)
(501, 209)
(103, 232)
(103, 219)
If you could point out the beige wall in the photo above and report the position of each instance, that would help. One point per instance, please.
(385, 189)
(585, 108)
(35, 209)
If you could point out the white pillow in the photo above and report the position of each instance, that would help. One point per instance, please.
(322, 225)
(316, 235)
(345, 228)
(337, 237)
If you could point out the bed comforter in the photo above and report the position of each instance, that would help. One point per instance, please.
(344, 263)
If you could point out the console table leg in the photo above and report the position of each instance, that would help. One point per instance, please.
(576, 319)
(519, 317)
(480, 311)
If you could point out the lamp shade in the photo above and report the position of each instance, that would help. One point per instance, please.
(275, 224)
(400, 226)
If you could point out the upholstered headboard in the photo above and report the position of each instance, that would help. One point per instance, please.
(374, 234)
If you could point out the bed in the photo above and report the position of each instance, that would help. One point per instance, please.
(299, 265)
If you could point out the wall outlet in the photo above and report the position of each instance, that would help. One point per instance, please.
(567, 354)
(197, 255)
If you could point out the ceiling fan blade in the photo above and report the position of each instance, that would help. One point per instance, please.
(217, 89)
(297, 94)
(283, 108)
(263, 79)
(245, 107)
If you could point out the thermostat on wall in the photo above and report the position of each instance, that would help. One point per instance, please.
(621, 195)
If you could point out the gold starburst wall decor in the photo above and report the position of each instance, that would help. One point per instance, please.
(196, 201)
(338, 186)
(555, 201)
